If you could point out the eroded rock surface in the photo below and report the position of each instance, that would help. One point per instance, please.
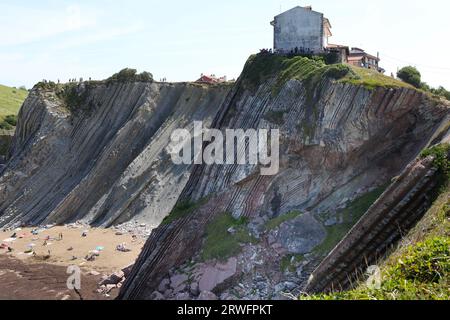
(105, 162)
(339, 142)
(301, 235)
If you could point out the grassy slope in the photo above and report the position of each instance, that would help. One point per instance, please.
(261, 67)
(222, 244)
(419, 268)
(11, 100)
(372, 79)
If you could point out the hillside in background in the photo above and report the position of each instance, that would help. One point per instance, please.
(10, 101)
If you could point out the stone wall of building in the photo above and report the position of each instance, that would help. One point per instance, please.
(299, 27)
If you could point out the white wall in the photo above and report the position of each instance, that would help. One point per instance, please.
(298, 28)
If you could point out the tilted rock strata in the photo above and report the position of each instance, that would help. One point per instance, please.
(104, 165)
(336, 146)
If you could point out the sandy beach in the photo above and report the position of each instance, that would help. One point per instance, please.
(36, 264)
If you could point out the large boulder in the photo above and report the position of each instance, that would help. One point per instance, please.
(212, 276)
(178, 282)
(301, 235)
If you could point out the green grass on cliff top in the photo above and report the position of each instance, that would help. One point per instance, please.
(372, 79)
(11, 100)
(261, 67)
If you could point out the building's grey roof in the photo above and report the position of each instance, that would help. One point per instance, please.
(297, 8)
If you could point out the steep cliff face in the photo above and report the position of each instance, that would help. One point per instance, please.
(98, 154)
(393, 214)
(339, 141)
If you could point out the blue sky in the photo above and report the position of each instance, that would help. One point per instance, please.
(62, 39)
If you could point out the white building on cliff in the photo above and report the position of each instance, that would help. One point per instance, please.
(301, 29)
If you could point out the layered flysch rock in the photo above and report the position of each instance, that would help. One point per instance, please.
(392, 215)
(99, 154)
(338, 141)
(104, 161)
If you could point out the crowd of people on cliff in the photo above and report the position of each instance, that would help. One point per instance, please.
(294, 52)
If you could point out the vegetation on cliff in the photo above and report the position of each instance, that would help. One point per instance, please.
(224, 236)
(10, 101)
(441, 159)
(74, 95)
(183, 209)
(419, 268)
(263, 66)
(372, 79)
(130, 75)
(313, 71)
(410, 75)
(350, 215)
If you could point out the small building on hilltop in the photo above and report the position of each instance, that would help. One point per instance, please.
(211, 79)
(342, 52)
(301, 30)
(359, 58)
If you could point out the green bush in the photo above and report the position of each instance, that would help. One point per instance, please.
(440, 154)
(331, 58)
(5, 125)
(440, 91)
(11, 119)
(124, 75)
(145, 77)
(49, 85)
(337, 71)
(75, 98)
(259, 68)
(410, 75)
(131, 75)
